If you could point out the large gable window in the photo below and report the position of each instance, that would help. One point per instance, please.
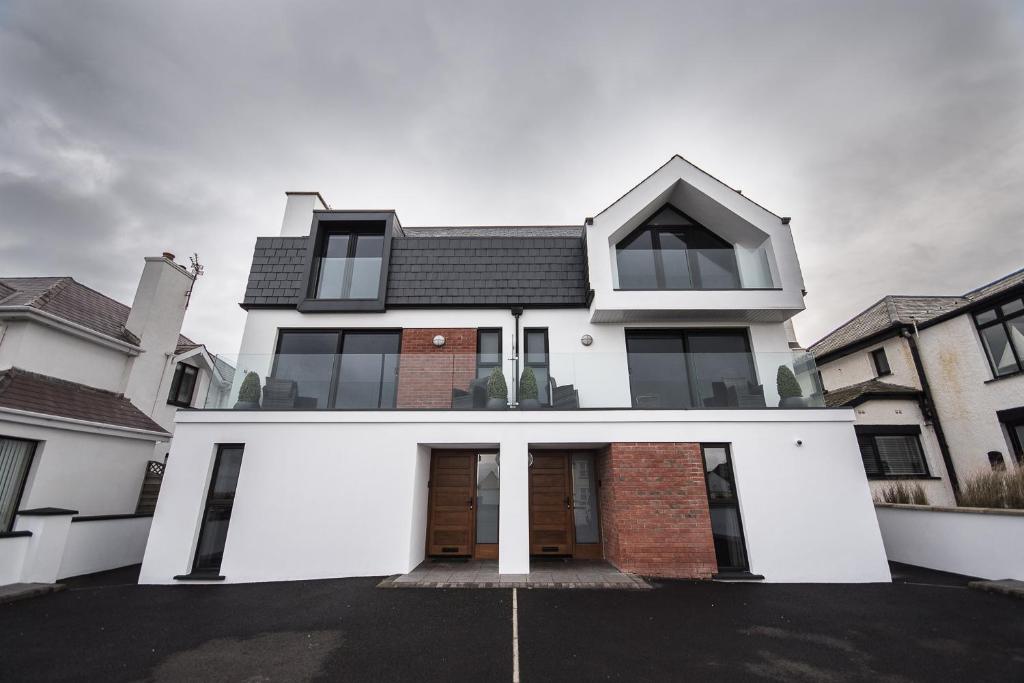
(1002, 332)
(672, 251)
(349, 263)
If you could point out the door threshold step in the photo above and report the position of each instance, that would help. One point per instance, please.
(731, 577)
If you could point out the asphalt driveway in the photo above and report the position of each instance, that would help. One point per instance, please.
(924, 627)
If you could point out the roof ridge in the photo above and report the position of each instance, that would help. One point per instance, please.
(845, 323)
(967, 295)
(13, 371)
(53, 290)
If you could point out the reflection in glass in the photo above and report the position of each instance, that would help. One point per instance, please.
(487, 489)
(349, 266)
(219, 504)
(368, 370)
(584, 495)
(307, 358)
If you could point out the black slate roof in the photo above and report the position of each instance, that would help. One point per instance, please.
(538, 267)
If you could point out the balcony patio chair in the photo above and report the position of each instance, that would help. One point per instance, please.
(472, 398)
(564, 397)
(280, 394)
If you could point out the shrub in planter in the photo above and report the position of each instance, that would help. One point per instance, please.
(249, 392)
(1003, 489)
(790, 393)
(528, 392)
(497, 391)
(902, 493)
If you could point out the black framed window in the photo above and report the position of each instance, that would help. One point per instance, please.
(1002, 333)
(673, 251)
(220, 501)
(1013, 420)
(488, 351)
(536, 358)
(892, 451)
(880, 362)
(183, 385)
(724, 506)
(692, 368)
(15, 462)
(349, 262)
(343, 369)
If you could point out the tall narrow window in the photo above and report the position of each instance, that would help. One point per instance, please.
(220, 501)
(891, 451)
(183, 385)
(880, 362)
(726, 525)
(488, 351)
(584, 499)
(536, 358)
(349, 263)
(15, 462)
(487, 496)
(1002, 334)
(672, 251)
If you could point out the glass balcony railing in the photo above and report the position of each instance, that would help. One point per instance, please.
(441, 381)
(685, 269)
(348, 278)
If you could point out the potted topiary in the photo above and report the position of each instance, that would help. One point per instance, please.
(790, 393)
(497, 391)
(249, 393)
(528, 390)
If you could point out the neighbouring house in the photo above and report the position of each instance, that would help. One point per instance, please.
(88, 392)
(626, 389)
(937, 383)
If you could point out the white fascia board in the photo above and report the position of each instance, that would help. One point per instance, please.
(626, 416)
(72, 424)
(58, 323)
(206, 358)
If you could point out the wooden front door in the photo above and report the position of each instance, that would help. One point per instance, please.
(451, 515)
(550, 505)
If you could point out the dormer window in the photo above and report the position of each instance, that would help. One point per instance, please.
(672, 251)
(349, 263)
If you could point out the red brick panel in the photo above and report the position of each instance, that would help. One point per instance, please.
(654, 510)
(427, 373)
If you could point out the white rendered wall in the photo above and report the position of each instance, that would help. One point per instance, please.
(100, 545)
(95, 474)
(48, 351)
(966, 399)
(324, 494)
(988, 544)
(858, 367)
(907, 412)
(12, 558)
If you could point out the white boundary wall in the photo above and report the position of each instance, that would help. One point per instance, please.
(982, 542)
(336, 494)
(101, 544)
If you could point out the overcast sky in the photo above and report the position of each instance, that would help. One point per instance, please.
(892, 133)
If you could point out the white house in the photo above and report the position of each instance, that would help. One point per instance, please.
(937, 383)
(607, 390)
(88, 392)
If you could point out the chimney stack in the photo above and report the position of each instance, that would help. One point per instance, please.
(298, 213)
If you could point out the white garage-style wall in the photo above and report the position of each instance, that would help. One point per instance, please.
(344, 494)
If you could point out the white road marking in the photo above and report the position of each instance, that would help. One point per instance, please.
(515, 638)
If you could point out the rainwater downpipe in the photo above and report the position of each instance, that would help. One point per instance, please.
(517, 311)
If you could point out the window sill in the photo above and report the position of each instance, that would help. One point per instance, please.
(1018, 373)
(896, 477)
(179, 405)
(340, 305)
(736, 576)
(199, 576)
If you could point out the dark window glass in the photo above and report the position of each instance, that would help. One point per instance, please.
(368, 370)
(536, 358)
(488, 349)
(1002, 334)
(726, 526)
(349, 263)
(584, 499)
(308, 359)
(881, 362)
(891, 455)
(487, 496)
(220, 501)
(183, 385)
(671, 251)
(692, 369)
(15, 462)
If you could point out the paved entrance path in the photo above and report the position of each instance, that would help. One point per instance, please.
(545, 573)
(924, 628)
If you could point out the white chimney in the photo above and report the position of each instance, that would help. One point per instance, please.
(298, 213)
(157, 313)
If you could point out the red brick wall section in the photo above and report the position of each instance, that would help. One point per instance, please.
(427, 373)
(654, 510)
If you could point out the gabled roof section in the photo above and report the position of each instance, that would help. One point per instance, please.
(855, 394)
(893, 311)
(70, 300)
(45, 395)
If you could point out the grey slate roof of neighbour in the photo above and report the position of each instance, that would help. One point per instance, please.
(858, 393)
(530, 266)
(70, 300)
(895, 310)
(35, 393)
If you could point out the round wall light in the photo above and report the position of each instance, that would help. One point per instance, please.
(586, 340)
(439, 340)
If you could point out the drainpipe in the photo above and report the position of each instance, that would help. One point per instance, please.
(930, 412)
(516, 312)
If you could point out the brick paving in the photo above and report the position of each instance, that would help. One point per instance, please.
(543, 574)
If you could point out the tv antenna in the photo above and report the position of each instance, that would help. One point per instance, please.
(196, 268)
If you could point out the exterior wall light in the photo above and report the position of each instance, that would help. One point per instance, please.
(439, 340)
(586, 340)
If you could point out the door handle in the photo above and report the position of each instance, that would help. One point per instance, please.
(470, 502)
(568, 504)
